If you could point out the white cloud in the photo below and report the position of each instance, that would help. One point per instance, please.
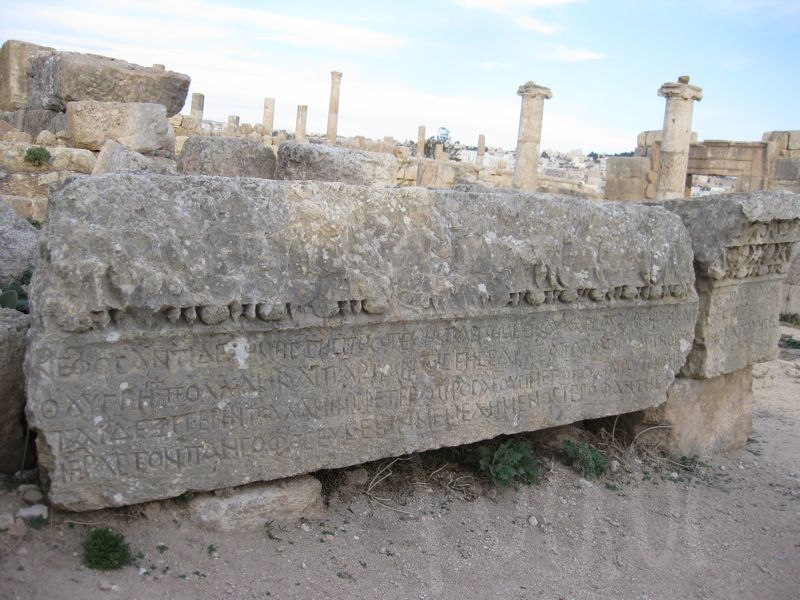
(516, 11)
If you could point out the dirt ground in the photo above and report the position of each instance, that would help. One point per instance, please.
(728, 527)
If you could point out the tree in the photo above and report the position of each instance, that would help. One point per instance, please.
(442, 137)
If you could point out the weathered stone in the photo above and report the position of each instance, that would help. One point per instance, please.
(29, 185)
(628, 167)
(17, 136)
(34, 120)
(141, 127)
(19, 240)
(701, 416)
(248, 508)
(12, 158)
(46, 138)
(5, 127)
(794, 140)
(743, 247)
(116, 158)
(226, 157)
(205, 332)
(37, 511)
(325, 163)
(14, 57)
(57, 78)
(13, 329)
(787, 169)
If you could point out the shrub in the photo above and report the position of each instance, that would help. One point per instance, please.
(105, 550)
(585, 458)
(38, 156)
(511, 461)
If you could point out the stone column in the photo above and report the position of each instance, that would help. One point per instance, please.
(333, 107)
(233, 123)
(676, 137)
(421, 142)
(300, 125)
(198, 102)
(481, 151)
(268, 120)
(438, 152)
(526, 164)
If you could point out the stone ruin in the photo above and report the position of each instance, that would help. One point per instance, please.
(237, 307)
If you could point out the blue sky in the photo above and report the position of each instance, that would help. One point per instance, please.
(456, 63)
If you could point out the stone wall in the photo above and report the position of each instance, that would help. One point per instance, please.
(224, 331)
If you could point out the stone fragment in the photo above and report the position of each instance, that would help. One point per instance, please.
(18, 529)
(248, 508)
(37, 511)
(6, 521)
(408, 290)
(141, 127)
(330, 163)
(17, 136)
(19, 240)
(12, 158)
(116, 158)
(226, 157)
(743, 246)
(702, 416)
(5, 127)
(32, 496)
(46, 138)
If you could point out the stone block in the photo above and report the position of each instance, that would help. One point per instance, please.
(57, 78)
(781, 139)
(5, 127)
(194, 333)
(226, 157)
(249, 508)
(76, 160)
(19, 240)
(17, 136)
(13, 329)
(794, 140)
(116, 158)
(30, 185)
(628, 167)
(320, 162)
(32, 120)
(14, 57)
(46, 138)
(704, 416)
(139, 126)
(743, 245)
(34, 208)
(786, 169)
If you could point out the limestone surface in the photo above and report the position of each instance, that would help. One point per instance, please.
(13, 328)
(142, 127)
(743, 245)
(317, 162)
(116, 158)
(248, 508)
(19, 240)
(12, 158)
(226, 157)
(193, 333)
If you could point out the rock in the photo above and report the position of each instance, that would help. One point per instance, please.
(703, 416)
(251, 506)
(6, 521)
(17, 136)
(331, 163)
(18, 529)
(107, 586)
(613, 466)
(533, 521)
(46, 138)
(116, 158)
(5, 127)
(32, 497)
(37, 511)
(139, 126)
(208, 286)
(743, 246)
(36, 77)
(226, 157)
(19, 240)
(356, 477)
(34, 208)
(12, 158)
(32, 120)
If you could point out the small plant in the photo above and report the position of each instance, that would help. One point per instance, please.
(105, 550)
(792, 343)
(585, 458)
(513, 460)
(791, 318)
(162, 548)
(211, 549)
(183, 500)
(38, 156)
(269, 531)
(16, 296)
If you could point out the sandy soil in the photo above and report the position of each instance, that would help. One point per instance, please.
(726, 528)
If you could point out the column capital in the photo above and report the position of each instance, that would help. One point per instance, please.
(336, 76)
(681, 89)
(532, 89)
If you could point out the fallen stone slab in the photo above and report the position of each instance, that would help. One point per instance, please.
(320, 162)
(19, 240)
(249, 508)
(12, 158)
(744, 245)
(226, 157)
(13, 329)
(141, 127)
(37, 77)
(116, 158)
(195, 333)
